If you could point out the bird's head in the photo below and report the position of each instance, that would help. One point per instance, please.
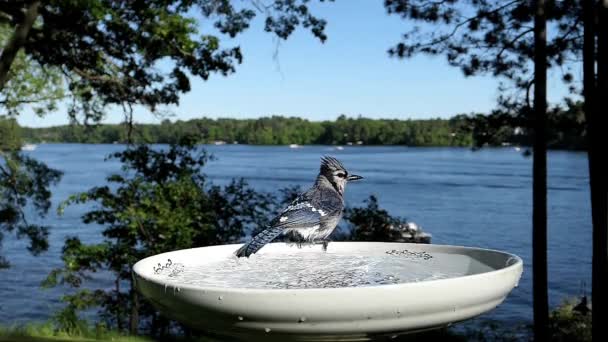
(336, 173)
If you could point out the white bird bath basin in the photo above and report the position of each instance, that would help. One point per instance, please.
(354, 291)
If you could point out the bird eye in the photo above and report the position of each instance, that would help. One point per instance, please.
(341, 175)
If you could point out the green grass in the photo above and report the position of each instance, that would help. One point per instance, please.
(48, 333)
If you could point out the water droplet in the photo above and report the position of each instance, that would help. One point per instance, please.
(220, 297)
(302, 319)
(267, 330)
(240, 318)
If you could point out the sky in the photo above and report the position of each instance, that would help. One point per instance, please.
(351, 74)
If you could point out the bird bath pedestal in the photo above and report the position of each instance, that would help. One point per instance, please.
(405, 288)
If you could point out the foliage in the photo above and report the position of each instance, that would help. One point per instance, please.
(566, 324)
(24, 181)
(103, 52)
(371, 223)
(10, 137)
(271, 131)
(496, 37)
(48, 332)
(566, 131)
(505, 39)
(29, 83)
(489, 36)
(130, 52)
(160, 202)
(565, 128)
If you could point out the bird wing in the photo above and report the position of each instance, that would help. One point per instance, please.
(309, 210)
(301, 213)
(306, 211)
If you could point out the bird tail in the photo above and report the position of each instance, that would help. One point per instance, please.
(259, 241)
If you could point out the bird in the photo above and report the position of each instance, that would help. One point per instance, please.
(314, 214)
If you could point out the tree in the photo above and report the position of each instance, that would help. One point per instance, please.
(539, 176)
(274, 130)
(490, 37)
(28, 84)
(10, 139)
(595, 52)
(93, 54)
(504, 38)
(109, 51)
(600, 184)
(24, 180)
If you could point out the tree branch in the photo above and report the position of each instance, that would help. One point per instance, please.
(128, 111)
(9, 52)
(444, 38)
(34, 100)
(511, 42)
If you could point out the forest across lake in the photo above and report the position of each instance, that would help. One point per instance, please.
(566, 131)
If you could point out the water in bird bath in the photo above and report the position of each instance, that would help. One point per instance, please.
(319, 270)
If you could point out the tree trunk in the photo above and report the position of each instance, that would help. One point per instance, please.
(134, 316)
(598, 172)
(9, 52)
(118, 308)
(539, 174)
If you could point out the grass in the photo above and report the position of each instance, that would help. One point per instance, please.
(48, 333)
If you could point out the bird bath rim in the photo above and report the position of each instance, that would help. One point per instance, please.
(513, 261)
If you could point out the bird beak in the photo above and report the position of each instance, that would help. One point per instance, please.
(353, 178)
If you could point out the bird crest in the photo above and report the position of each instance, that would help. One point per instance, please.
(330, 164)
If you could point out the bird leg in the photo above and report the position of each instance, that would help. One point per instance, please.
(325, 244)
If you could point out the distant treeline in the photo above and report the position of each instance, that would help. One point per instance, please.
(566, 131)
(274, 130)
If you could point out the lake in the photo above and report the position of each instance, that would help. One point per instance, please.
(480, 199)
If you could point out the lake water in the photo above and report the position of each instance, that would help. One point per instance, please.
(480, 199)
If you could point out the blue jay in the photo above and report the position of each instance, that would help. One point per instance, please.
(314, 214)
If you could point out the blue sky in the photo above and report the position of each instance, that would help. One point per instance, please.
(351, 73)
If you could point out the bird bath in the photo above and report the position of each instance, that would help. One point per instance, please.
(354, 291)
